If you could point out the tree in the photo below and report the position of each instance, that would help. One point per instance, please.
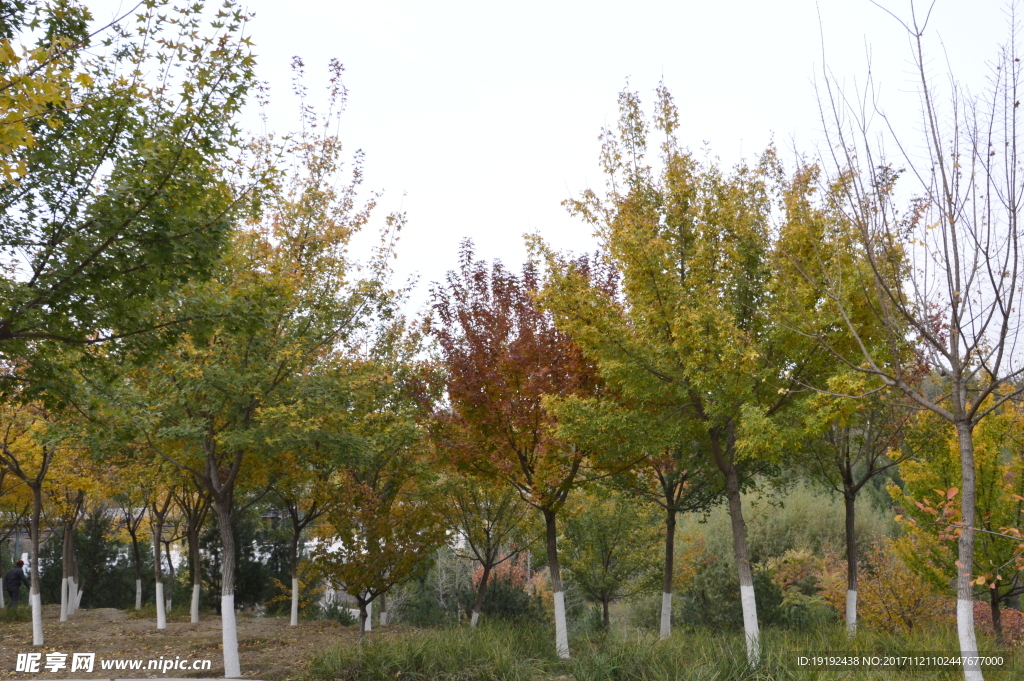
(501, 355)
(932, 516)
(194, 502)
(381, 527)
(66, 496)
(302, 485)
(28, 445)
(159, 506)
(283, 297)
(695, 329)
(491, 520)
(943, 255)
(126, 195)
(652, 454)
(608, 548)
(131, 501)
(35, 81)
(851, 443)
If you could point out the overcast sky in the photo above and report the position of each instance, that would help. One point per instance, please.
(479, 118)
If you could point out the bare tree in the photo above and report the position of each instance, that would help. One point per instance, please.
(942, 264)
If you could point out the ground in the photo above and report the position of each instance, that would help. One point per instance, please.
(269, 648)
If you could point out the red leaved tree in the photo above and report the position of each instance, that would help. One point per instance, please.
(502, 356)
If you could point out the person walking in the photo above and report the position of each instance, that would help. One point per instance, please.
(13, 580)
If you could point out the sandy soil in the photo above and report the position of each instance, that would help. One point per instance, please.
(268, 647)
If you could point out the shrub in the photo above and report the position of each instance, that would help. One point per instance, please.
(891, 596)
(20, 614)
(1011, 619)
(505, 599)
(339, 612)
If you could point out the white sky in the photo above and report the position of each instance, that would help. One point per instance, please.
(479, 118)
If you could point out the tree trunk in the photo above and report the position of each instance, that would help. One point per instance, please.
(739, 542)
(851, 565)
(65, 560)
(229, 630)
(666, 590)
(964, 586)
(195, 569)
(33, 594)
(295, 580)
(561, 632)
(74, 595)
(997, 617)
(137, 552)
(607, 616)
(364, 619)
(158, 561)
(383, 610)
(170, 574)
(481, 590)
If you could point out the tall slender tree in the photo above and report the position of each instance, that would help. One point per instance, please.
(694, 329)
(502, 355)
(943, 254)
(283, 298)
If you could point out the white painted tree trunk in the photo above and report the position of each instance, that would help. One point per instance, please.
(195, 603)
(295, 602)
(968, 641)
(561, 632)
(72, 596)
(37, 618)
(228, 625)
(229, 636)
(138, 594)
(161, 614)
(368, 627)
(753, 635)
(965, 552)
(851, 613)
(474, 618)
(748, 601)
(64, 599)
(2, 604)
(666, 615)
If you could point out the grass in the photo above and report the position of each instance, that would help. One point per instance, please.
(517, 653)
(454, 654)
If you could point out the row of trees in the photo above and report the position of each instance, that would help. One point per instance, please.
(180, 301)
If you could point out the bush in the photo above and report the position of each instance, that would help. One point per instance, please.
(20, 614)
(338, 612)
(891, 597)
(1012, 621)
(505, 599)
(712, 599)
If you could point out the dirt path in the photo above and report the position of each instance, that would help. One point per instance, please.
(268, 647)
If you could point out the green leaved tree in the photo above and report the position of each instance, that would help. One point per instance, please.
(694, 328)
